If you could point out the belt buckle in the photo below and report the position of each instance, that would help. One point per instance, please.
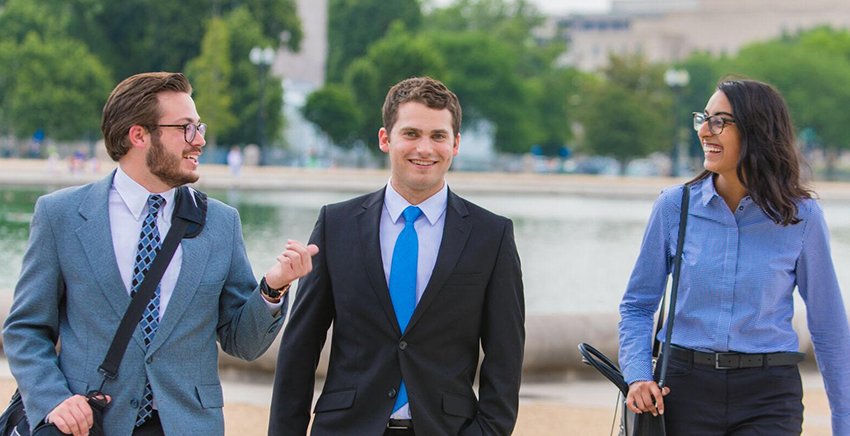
(400, 424)
(718, 356)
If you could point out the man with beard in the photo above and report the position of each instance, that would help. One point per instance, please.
(90, 248)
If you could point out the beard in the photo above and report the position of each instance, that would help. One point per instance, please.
(166, 166)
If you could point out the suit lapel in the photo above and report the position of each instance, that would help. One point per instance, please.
(368, 229)
(455, 234)
(195, 255)
(95, 236)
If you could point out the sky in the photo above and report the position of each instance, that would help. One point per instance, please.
(559, 6)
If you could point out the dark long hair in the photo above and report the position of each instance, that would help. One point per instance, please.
(770, 163)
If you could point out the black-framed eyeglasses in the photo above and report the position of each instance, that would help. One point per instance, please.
(716, 122)
(189, 130)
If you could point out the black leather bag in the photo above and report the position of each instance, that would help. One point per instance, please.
(187, 222)
(645, 424)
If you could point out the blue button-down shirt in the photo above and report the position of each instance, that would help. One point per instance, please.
(739, 271)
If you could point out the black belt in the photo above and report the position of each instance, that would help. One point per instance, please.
(735, 360)
(400, 424)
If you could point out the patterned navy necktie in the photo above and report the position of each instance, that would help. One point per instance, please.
(149, 245)
(403, 280)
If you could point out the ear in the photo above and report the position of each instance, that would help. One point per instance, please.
(457, 145)
(139, 136)
(384, 140)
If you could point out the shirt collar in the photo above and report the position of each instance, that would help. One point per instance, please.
(135, 196)
(708, 190)
(432, 208)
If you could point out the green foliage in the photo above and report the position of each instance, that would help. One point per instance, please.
(557, 93)
(210, 74)
(390, 60)
(133, 36)
(481, 72)
(50, 84)
(813, 81)
(628, 112)
(334, 107)
(353, 25)
(247, 84)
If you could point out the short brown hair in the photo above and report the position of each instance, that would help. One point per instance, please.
(425, 90)
(134, 102)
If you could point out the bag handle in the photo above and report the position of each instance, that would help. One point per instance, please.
(136, 309)
(677, 269)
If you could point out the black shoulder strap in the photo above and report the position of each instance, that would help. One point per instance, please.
(674, 291)
(109, 368)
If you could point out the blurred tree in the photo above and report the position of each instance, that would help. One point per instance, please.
(627, 113)
(814, 82)
(210, 74)
(134, 36)
(480, 70)
(557, 93)
(53, 84)
(390, 60)
(704, 71)
(245, 33)
(353, 25)
(334, 109)
(509, 21)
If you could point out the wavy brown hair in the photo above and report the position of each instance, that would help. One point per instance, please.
(134, 102)
(770, 162)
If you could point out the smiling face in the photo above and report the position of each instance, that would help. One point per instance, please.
(173, 161)
(421, 146)
(722, 151)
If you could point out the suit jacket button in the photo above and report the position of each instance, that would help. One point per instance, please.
(149, 360)
(391, 393)
(134, 403)
(402, 345)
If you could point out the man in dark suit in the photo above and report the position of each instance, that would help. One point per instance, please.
(414, 278)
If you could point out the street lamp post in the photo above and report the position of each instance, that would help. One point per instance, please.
(262, 58)
(677, 80)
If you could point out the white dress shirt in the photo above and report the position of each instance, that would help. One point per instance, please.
(429, 231)
(128, 207)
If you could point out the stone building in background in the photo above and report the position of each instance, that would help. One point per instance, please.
(665, 31)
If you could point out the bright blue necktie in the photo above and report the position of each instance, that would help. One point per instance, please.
(403, 280)
(149, 245)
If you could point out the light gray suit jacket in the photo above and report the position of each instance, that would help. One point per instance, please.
(70, 289)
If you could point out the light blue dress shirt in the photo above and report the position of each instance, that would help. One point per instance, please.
(429, 230)
(739, 271)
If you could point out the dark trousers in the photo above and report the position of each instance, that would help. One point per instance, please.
(399, 432)
(704, 401)
(151, 427)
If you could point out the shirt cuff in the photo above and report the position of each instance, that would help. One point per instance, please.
(274, 308)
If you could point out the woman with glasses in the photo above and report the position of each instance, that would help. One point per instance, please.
(754, 233)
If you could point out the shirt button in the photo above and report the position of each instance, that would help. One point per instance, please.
(134, 403)
(741, 208)
(402, 345)
(391, 393)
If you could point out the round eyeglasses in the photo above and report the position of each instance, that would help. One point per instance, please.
(189, 130)
(716, 123)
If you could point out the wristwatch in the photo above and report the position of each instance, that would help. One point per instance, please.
(274, 294)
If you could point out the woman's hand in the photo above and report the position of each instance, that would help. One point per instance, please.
(645, 396)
